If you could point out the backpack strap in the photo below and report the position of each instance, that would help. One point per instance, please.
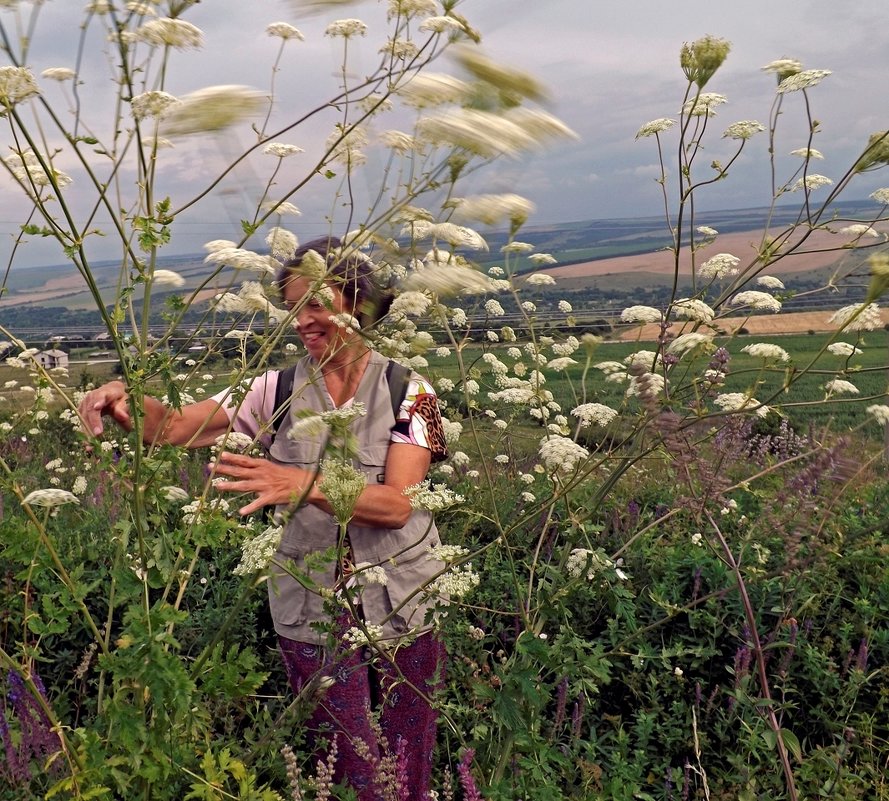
(397, 377)
(283, 392)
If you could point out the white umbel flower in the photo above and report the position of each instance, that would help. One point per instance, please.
(50, 498)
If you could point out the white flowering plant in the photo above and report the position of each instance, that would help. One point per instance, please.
(576, 479)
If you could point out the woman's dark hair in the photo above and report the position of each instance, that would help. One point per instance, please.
(351, 273)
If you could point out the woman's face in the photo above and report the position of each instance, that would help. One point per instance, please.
(322, 337)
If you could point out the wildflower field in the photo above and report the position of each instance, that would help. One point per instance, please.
(665, 558)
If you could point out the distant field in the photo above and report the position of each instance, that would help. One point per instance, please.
(812, 255)
(761, 324)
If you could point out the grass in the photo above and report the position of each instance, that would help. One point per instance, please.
(804, 376)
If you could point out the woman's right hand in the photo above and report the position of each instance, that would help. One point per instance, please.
(110, 399)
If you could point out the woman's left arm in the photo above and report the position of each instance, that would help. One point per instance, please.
(379, 506)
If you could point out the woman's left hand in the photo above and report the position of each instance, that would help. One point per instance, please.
(271, 483)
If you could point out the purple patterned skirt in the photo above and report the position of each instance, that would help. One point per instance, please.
(392, 687)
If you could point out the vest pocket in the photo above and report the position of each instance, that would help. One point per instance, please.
(402, 602)
(291, 602)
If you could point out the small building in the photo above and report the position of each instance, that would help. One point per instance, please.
(51, 358)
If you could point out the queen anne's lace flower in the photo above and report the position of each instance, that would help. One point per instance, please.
(757, 300)
(357, 637)
(27, 168)
(346, 28)
(152, 104)
(783, 67)
(811, 182)
(242, 259)
(693, 309)
(50, 497)
(398, 141)
(738, 401)
(458, 582)
(859, 230)
(411, 8)
(770, 282)
(282, 243)
(689, 341)
(881, 196)
(441, 25)
(594, 414)
(342, 485)
(281, 150)
(284, 30)
(646, 386)
(807, 153)
(641, 314)
(840, 387)
(880, 413)
(720, 266)
(561, 455)
(59, 74)
(212, 109)
(163, 278)
(843, 349)
(258, 552)
(587, 564)
(493, 308)
(173, 494)
(16, 84)
(432, 497)
(743, 129)
(804, 79)
(765, 350)
(281, 207)
(655, 127)
(561, 364)
(704, 104)
(857, 317)
(493, 209)
(168, 32)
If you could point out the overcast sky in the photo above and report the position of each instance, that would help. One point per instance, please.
(609, 67)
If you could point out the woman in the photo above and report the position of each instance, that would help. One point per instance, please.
(394, 452)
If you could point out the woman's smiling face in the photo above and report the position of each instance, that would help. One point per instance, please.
(322, 337)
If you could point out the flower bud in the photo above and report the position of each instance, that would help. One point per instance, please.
(701, 58)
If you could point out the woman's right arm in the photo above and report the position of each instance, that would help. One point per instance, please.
(194, 425)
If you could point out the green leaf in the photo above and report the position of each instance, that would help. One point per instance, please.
(791, 743)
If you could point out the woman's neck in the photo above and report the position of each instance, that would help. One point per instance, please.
(343, 373)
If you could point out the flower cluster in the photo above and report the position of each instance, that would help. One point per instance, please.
(16, 84)
(561, 455)
(258, 552)
(586, 564)
(342, 485)
(720, 266)
(590, 414)
(457, 582)
(857, 317)
(432, 497)
(766, 351)
(762, 301)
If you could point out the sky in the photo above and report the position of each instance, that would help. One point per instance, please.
(608, 67)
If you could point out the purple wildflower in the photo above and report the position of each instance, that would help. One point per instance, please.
(470, 789)
(561, 700)
(861, 656)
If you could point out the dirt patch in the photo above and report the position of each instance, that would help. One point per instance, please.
(819, 249)
(760, 325)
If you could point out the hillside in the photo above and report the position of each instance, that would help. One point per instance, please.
(603, 265)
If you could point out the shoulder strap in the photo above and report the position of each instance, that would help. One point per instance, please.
(283, 392)
(397, 376)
